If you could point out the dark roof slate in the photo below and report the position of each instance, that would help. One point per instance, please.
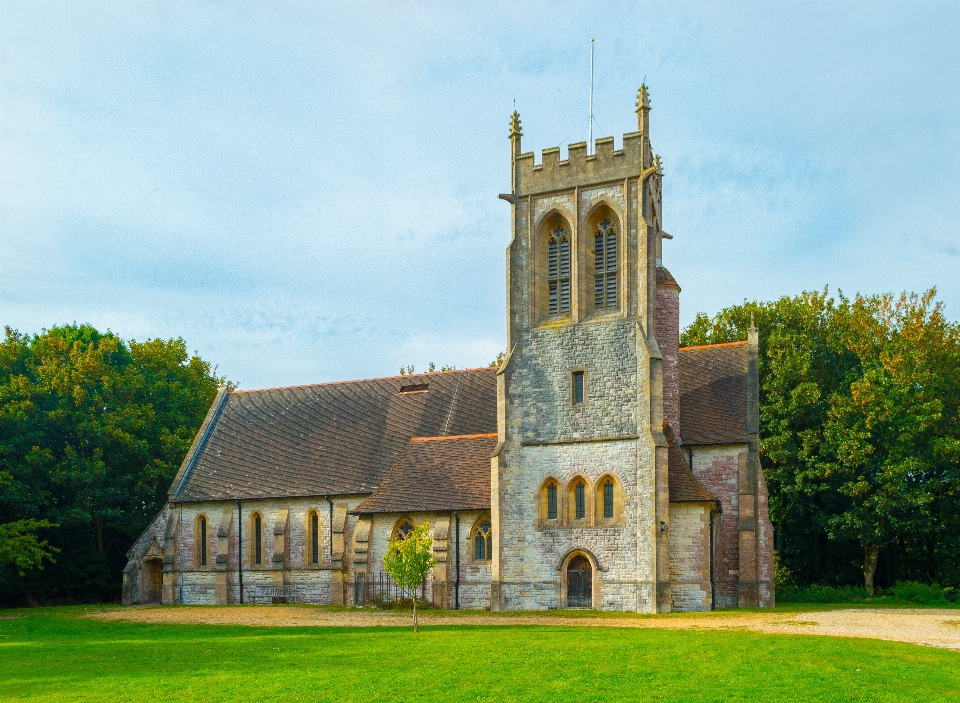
(665, 278)
(713, 394)
(437, 474)
(332, 438)
(684, 486)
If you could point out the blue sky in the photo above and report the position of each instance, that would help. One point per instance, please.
(306, 192)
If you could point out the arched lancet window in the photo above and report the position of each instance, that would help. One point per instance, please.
(403, 529)
(549, 502)
(605, 265)
(313, 533)
(201, 537)
(580, 496)
(256, 546)
(608, 499)
(558, 271)
(481, 540)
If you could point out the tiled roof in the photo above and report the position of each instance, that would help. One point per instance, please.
(665, 278)
(684, 486)
(713, 394)
(331, 438)
(437, 474)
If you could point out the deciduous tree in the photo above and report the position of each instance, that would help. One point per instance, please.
(408, 561)
(92, 430)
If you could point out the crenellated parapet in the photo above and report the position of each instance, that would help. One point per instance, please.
(553, 173)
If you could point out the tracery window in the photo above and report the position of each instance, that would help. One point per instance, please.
(403, 529)
(481, 540)
(558, 271)
(605, 265)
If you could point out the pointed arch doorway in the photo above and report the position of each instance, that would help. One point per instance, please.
(579, 583)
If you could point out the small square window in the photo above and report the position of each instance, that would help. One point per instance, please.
(578, 387)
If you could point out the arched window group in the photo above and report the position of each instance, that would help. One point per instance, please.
(581, 503)
(601, 239)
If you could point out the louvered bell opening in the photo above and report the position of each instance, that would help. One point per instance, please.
(598, 253)
(554, 304)
(598, 291)
(564, 259)
(552, 261)
(564, 296)
(611, 290)
(611, 251)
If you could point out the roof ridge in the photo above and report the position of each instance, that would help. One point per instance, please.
(456, 436)
(707, 346)
(359, 380)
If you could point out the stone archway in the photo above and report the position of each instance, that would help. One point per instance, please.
(579, 577)
(151, 585)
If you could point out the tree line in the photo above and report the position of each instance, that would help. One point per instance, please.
(92, 432)
(859, 433)
(859, 441)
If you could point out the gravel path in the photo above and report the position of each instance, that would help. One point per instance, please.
(936, 628)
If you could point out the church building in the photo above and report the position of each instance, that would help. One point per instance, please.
(599, 466)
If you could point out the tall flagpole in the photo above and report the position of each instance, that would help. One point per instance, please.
(590, 140)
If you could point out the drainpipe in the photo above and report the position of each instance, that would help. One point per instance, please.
(240, 547)
(713, 588)
(180, 575)
(456, 587)
(330, 528)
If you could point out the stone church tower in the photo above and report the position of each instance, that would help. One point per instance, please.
(580, 485)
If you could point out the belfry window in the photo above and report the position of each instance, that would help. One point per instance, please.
(481, 540)
(558, 271)
(605, 266)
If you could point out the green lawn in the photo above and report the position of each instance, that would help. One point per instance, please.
(53, 654)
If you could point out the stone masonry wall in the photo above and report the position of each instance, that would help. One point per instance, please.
(474, 575)
(539, 381)
(690, 556)
(531, 555)
(716, 468)
(307, 583)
